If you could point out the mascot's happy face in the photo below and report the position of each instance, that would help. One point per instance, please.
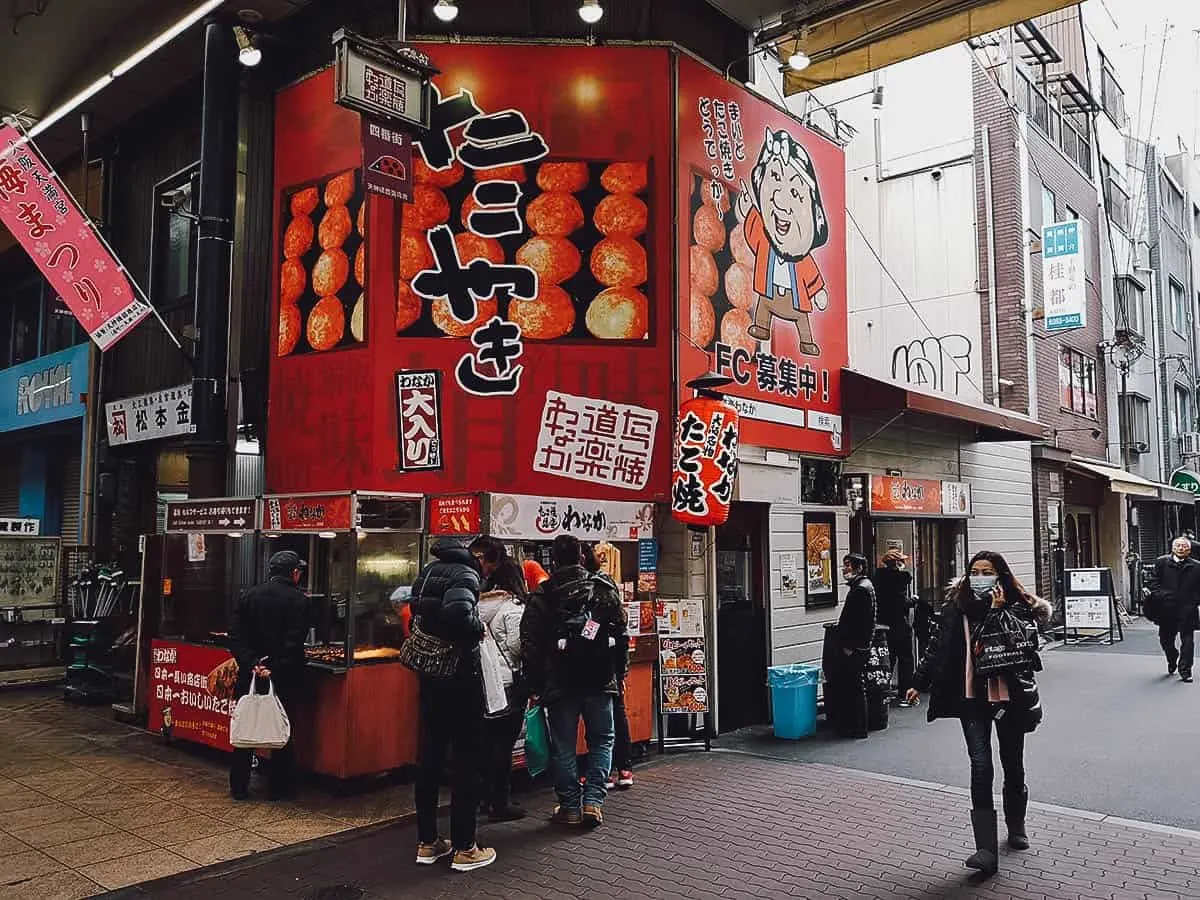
(787, 197)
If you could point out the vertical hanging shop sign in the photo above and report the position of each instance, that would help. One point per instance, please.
(1064, 287)
(63, 242)
(706, 447)
(419, 419)
(387, 160)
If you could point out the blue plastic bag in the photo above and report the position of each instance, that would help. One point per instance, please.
(537, 741)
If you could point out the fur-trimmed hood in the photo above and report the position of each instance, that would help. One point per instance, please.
(1042, 609)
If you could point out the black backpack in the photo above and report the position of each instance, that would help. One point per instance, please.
(583, 657)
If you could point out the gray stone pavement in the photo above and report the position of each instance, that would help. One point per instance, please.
(732, 825)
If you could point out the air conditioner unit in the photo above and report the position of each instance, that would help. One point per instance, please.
(1189, 443)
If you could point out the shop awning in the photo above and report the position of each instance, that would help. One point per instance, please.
(866, 394)
(1123, 482)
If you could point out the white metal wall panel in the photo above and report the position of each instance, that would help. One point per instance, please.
(1001, 476)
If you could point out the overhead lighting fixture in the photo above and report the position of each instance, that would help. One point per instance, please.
(327, 535)
(799, 61)
(130, 62)
(591, 11)
(249, 54)
(877, 97)
(446, 10)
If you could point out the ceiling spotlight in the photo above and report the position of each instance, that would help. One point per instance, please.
(591, 11)
(446, 10)
(799, 60)
(249, 55)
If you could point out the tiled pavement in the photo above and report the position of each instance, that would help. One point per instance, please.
(733, 826)
(88, 804)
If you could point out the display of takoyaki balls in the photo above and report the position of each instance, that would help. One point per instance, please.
(298, 237)
(292, 281)
(305, 201)
(721, 203)
(360, 265)
(621, 214)
(502, 173)
(428, 209)
(326, 323)
(563, 176)
(703, 271)
(618, 314)
(335, 227)
(339, 190)
(549, 315)
(408, 307)
(625, 178)
(708, 230)
(739, 248)
(469, 205)
(444, 319)
(415, 253)
(554, 213)
(358, 318)
(289, 328)
(555, 259)
(441, 178)
(330, 273)
(472, 246)
(619, 261)
(703, 319)
(361, 222)
(734, 325)
(739, 285)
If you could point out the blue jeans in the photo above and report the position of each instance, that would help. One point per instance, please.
(597, 713)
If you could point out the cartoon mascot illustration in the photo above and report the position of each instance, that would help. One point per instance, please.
(784, 221)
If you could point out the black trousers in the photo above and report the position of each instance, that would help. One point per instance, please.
(850, 694)
(1184, 655)
(1010, 734)
(900, 647)
(281, 767)
(623, 747)
(500, 733)
(451, 722)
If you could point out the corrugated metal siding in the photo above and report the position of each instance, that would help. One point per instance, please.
(248, 479)
(919, 450)
(10, 482)
(797, 633)
(70, 463)
(1001, 477)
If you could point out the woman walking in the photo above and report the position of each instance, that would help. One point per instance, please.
(1010, 700)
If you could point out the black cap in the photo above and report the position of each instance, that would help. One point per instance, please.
(284, 562)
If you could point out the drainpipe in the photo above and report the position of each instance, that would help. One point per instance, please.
(989, 228)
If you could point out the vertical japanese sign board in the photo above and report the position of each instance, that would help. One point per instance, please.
(1064, 286)
(387, 160)
(64, 243)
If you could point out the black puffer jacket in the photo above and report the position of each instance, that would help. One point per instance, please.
(942, 670)
(578, 669)
(856, 626)
(445, 597)
(270, 622)
(893, 593)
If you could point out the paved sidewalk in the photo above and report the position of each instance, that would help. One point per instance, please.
(737, 826)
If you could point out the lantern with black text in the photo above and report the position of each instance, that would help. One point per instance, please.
(706, 442)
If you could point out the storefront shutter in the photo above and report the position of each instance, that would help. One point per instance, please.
(69, 474)
(1151, 539)
(10, 484)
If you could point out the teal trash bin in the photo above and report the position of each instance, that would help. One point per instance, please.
(794, 699)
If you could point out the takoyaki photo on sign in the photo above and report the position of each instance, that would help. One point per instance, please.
(784, 221)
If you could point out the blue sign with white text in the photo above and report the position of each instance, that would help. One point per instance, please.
(44, 390)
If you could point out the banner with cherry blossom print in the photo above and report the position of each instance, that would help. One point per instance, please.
(63, 242)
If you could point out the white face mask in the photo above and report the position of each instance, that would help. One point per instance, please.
(983, 584)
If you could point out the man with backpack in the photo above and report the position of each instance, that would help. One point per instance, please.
(575, 650)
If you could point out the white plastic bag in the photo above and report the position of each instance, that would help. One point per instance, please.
(493, 675)
(259, 720)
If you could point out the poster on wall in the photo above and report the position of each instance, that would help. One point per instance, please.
(419, 418)
(762, 262)
(596, 440)
(29, 573)
(682, 657)
(820, 562)
(789, 575)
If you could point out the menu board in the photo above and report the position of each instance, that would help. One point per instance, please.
(28, 571)
(682, 657)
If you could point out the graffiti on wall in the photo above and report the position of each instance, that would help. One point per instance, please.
(938, 364)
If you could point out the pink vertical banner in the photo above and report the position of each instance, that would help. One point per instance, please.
(46, 220)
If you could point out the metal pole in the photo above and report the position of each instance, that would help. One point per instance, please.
(92, 413)
(402, 22)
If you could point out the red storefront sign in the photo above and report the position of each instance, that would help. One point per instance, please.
(566, 289)
(905, 495)
(317, 512)
(455, 515)
(182, 704)
(706, 455)
(762, 262)
(64, 244)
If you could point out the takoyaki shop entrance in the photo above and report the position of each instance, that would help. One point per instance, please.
(742, 618)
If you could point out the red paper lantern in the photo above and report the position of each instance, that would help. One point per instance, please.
(706, 444)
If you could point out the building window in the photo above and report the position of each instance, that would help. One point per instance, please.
(1077, 382)
(1196, 221)
(1135, 419)
(1130, 308)
(1049, 201)
(1116, 197)
(1172, 201)
(1181, 415)
(1072, 216)
(1179, 307)
(1112, 97)
(175, 236)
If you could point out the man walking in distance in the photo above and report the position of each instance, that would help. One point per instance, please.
(267, 637)
(575, 649)
(1172, 605)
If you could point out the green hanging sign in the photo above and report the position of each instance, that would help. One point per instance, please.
(1186, 481)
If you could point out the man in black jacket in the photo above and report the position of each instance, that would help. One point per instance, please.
(856, 628)
(445, 604)
(575, 652)
(267, 638)
(1174, 598)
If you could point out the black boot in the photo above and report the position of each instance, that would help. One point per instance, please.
(1015, 804)
(986, 858)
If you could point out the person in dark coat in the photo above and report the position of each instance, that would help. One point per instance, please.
(856, 628)
(621, 775)
(1173, 605)
(445, 604)
(893, 598)
(575, 653)
(270, 622)
(1010, 701)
